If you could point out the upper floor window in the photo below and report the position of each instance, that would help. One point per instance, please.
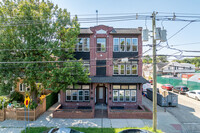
(134, 44)
(130, 68)
(83, 45)
(23, 87)
(116, 44)
(86, 65)
(125, 44)
(101, 44)
(122, 44)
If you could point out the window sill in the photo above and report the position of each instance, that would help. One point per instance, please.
(100, 52)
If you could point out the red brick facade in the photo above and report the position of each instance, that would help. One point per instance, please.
(108, 56)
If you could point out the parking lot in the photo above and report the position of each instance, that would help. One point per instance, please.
(187, 112)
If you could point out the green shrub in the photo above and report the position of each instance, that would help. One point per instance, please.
(51, 99)
(33, 105)
(5, 103)
(16, 96)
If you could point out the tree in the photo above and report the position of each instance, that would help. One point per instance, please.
(43, 34)
(162, 59)
(195, 61)
(147, 59)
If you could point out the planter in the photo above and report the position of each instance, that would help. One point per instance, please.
(19, 113)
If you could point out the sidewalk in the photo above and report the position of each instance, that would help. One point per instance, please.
(166, 122)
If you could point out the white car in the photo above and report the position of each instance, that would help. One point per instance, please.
(194, 94)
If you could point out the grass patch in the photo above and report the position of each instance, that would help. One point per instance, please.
(90, 129)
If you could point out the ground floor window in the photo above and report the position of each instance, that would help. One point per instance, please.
(124, 93)
(77, 95)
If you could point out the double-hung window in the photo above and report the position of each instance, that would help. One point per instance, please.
(86, 65)
(83, 45)
(134, 69)
(129, 68)
(134, 44)
(122, 69)
(124, 93)
(115, 95)
(78, 93)
(116, 69)
(22, 87)
(116, 44)
(101, 44)
(122, 44)
(125, 44)
(128, 44)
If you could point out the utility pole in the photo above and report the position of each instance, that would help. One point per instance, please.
(154, 73)
(97, 17)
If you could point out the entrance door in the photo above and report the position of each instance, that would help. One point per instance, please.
(101, 95)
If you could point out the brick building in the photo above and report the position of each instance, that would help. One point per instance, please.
(111, 55)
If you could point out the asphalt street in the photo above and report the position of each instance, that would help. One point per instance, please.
(187, 113)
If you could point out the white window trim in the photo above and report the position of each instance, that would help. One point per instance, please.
(130, 45)
(136, 69)
(116, 95)
(86, 95)
(124, 97)
(68, 95)
(24, 87)
(83, 96)
(83, 48)
(114, 69)
(130, 69)
(124, 69)
(124, 45)
(134, 96)
(115, 45)
(135, 45)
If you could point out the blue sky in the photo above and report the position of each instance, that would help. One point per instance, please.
(188, 35)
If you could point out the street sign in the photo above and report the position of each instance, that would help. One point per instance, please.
(26, 101)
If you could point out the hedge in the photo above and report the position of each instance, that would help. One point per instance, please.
(51, 99)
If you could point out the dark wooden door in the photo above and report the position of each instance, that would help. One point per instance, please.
(101, 95)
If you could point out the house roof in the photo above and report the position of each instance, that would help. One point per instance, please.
(160, 65)
(126, 31)
(115, 31)
(119, 79)
(85, 31)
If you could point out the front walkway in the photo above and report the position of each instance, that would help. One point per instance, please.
(166, 122)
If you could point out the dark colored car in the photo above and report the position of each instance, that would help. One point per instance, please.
(135, 131)
(180, 89)
(167, 87)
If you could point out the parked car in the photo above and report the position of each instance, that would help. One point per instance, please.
(151, 81)
(63, 130)
(194, 94)
(135, 131)
(180, 89)
(167, 87)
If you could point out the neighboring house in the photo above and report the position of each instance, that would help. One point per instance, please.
(172, 68)
(148, 69)
(22, 88)
(175, 68)
(112, 57)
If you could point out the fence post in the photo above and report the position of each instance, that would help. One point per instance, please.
(34, 114)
